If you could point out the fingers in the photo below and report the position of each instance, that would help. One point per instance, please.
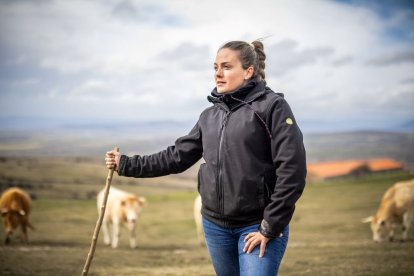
(251, 242)
(250, 245)
(254, 239)
(249, 236)
(111, 159)
(110, 153)
(262, 248)
(110, 164)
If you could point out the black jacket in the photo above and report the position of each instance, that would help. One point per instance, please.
(255, 164)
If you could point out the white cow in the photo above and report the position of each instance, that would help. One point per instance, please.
(198, 220)
(121, 208)
(396, 208)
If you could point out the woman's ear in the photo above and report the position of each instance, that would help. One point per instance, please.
(249, 72)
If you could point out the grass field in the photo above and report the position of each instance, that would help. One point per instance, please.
(327, 237)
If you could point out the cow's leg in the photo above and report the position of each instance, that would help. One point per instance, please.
(105, 231)
(7, 230)
(391, 233)
(24, 232)
(24, 222)
(200, 235)
(407, 220)
(7, 240)
(132, 238)
(115, 232)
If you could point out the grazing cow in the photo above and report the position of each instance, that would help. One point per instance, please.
(15, 206)
(121, 208)
(198, 220)
(396, 208)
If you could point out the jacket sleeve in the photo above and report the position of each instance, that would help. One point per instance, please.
(186, 151)
(289, 159)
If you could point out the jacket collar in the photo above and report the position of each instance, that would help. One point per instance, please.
(248, 93)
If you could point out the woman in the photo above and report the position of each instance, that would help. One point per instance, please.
(254, 170)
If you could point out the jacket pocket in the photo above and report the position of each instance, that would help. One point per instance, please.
(261, 193)
(199, 177)
(207, 188)
(269, 182)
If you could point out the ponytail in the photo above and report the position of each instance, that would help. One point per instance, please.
(260, 59)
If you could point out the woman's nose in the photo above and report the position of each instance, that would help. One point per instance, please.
(219, 72)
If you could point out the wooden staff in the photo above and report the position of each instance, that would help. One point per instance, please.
(99, 222)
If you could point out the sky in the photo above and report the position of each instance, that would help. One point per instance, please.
(342, 65)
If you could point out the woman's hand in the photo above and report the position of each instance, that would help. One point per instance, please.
(252, 240)
(112, 159)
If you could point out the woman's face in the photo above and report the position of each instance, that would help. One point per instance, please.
(229, 73)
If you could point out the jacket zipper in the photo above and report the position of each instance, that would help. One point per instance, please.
(220, 188)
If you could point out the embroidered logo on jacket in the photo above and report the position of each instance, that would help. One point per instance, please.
(289, 121)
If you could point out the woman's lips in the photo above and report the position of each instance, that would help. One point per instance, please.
(220, 83)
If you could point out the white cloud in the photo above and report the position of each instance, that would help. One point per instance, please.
(393, 57)
(154, 59)
(284, 56)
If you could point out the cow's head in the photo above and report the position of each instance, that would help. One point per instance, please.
(4, 211)
(11, 218)
(132, 207)
(380, 228)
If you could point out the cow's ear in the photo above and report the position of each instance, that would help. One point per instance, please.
(4, 211)
(142, 201)
(368, 219)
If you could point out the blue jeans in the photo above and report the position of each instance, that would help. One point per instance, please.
(225, 246)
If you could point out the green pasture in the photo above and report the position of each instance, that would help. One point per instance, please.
(327, 236)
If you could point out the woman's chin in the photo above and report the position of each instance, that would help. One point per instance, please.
(221, 90)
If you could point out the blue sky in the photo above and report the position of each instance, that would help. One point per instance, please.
(342, 65)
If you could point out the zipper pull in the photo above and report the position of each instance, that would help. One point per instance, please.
(225, 120)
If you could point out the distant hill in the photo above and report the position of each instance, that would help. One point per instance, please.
(88, 139)
(361, 145)
(409, 126)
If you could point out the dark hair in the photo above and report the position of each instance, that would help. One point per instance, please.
(250, 54)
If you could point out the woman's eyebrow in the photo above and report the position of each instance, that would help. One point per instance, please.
(223, 63)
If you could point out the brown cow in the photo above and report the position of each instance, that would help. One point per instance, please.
(15, 206)
(396, 208)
